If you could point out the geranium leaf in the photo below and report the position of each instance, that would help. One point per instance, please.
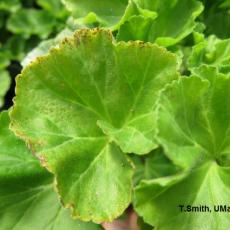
(136, 28)
(195, 135)
(27, 199)
(10, 5)
(158, 165)
(159, 30)
(15, 47)
(152, 165)
(97, 184)
(212, 51)
(101, 101)
(199, 132)
(86, 80)
(4, 59)
(29, 22)
(54, 7)
(4, 85)
(108, 13)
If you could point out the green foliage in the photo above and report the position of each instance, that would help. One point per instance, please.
(22, 28)
(130, 113)
(202, 186)
(160, 30)
(54, 7)
(10, 5)
(197, 139)
(107, 13)
(141, 20)
(98, 118)
(217, 18)
(211, 51)
(29, 22)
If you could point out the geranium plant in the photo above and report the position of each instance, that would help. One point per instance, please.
(120, 118)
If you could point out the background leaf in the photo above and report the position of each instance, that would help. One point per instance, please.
(29, 22)
(160, 30)
(54, 7)
(212, 51)
(10, 5)
(108, 13)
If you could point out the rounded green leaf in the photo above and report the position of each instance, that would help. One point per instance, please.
(29, 22)
(90, 81)
(27, 199)
(212, 51)
(197, 128)
(4, 59)
(10, 5)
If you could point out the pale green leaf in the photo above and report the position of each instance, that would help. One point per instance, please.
(108, 13)
(136, 28)
(105, 13)
(97, 184)
(10, 5)
(27, 199)
(197, 128)
(88, 79)
(4, 59)
(29, 22)
(54, 7)
(211, 51)
(198, 33)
